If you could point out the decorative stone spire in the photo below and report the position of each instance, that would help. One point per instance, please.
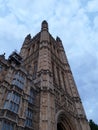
(2, 56)
(28, 37)
(61, 50)
(44, 26)
(44, 32)
(59, 41)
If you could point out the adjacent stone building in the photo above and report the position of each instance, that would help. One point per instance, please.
(37, 88)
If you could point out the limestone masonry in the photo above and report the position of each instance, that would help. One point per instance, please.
(37, 88)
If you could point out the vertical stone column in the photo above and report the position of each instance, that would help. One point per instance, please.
(67, 84)
(47, 103)
(47, 111)
(55, 73)
(61, 80)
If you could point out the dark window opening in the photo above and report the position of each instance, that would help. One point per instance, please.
(7, 126)
(60, 126)
(29, 118)
(12, 102)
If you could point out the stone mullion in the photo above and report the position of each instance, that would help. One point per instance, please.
(58, 75)
(61, 80)
(47, 114)
(73, 86)
(67, 83)
(1, 125)
(55, 73)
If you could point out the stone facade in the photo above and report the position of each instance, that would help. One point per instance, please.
(37, 88)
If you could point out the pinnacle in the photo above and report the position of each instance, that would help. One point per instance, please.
(44, 25)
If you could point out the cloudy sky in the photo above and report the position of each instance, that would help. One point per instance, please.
(74, 21)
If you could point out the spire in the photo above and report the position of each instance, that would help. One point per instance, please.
(59, 41)
(44, 26)
(44, 31)
(28, 37)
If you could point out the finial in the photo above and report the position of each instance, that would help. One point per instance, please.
(44, 25)
(3, 55)
(58, 39)
(28, 37)
(59, 42)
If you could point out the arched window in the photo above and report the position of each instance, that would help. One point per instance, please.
(60, 126)
(33, 48)
(64, 122)
(28, 51)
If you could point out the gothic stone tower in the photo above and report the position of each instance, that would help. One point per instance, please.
(37, 88)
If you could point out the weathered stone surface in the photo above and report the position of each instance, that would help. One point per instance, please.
(41, 87)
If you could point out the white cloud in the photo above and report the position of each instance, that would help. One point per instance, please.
(92, 6)
(96, 23)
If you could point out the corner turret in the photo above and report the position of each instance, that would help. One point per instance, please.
(44, 32)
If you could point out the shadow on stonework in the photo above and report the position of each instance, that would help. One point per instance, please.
(63, 122)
